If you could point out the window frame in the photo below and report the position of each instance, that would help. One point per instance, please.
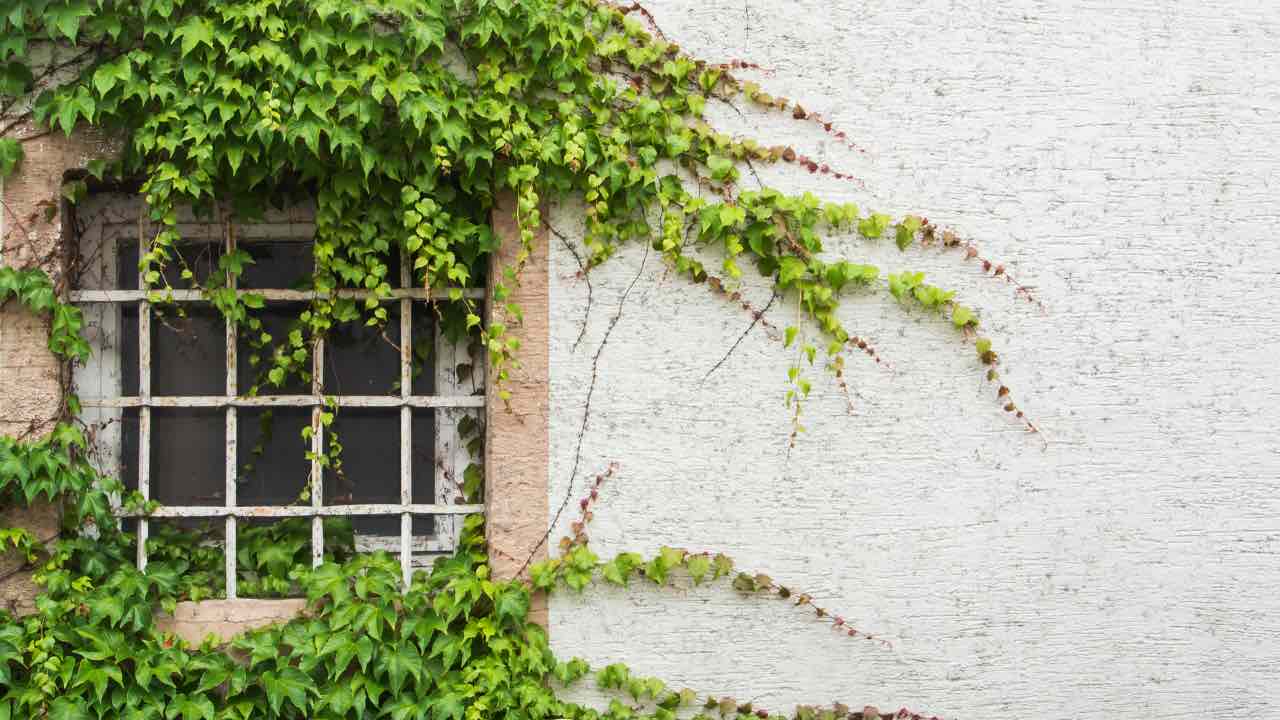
(446, 399)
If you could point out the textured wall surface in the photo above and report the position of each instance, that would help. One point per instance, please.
(1122, 157)
(31, 225)
(224, 619)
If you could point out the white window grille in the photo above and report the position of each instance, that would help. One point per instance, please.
(105, 221)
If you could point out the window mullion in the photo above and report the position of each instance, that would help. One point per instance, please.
(406, 424)
(144, 393)
(450, 453)
(317, 451)
(229, 544)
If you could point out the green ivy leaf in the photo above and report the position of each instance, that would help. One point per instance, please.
(446, 706)
(190, 708)
(400, 662)
(512, 602)
(962, 317)
(722, 168)
(698, 566)
(196, 30)
(10, 156)
(288, 684)
(874, 226)
(789, 335)
(543, 574)
(65, 708)
(63, 18)
(790, 270)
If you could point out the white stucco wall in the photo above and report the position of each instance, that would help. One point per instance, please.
(1122, 156)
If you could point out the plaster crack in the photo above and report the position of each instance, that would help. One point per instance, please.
(586, 412)
(755, 320)
(584, 274)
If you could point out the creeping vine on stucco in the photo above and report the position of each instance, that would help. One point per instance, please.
(404, 121)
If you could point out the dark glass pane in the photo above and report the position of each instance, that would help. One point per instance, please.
(370, 471)
(276, 321)
(422, 454)
(277, 264)
(370, 459)
(127, 266)
(372, 533)
(188, 456)
(424, 350)
(188, 351)
(128, 350)
(129, 447)
(201, 258)
(271, 468)
(362, 360)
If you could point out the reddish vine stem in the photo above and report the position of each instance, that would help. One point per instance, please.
(948, 239)
(869, 350)
(644, 12)
(991, 359)
(739, 64)
(744, 582)
(827, 126)
(748, 583)
(814, 167)
(716, 286)
(578, 527)
(840, 711)
(751, 91)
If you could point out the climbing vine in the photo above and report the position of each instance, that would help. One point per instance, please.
(408, 123)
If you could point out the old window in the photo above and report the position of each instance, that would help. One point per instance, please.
(167, 391)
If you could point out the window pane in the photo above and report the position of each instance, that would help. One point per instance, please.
(271, 467)
(188, 352)
(422, 454)
(188, 455)
(277, 319)
(424, 349)
(277, 264)
(128, 349)
(370, 470)
(129, 447)
(370, 460)
(201, 258)
(362, 360)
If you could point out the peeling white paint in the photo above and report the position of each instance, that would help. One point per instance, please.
(1122, 157)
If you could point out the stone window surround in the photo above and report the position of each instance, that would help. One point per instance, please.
(516, 441)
